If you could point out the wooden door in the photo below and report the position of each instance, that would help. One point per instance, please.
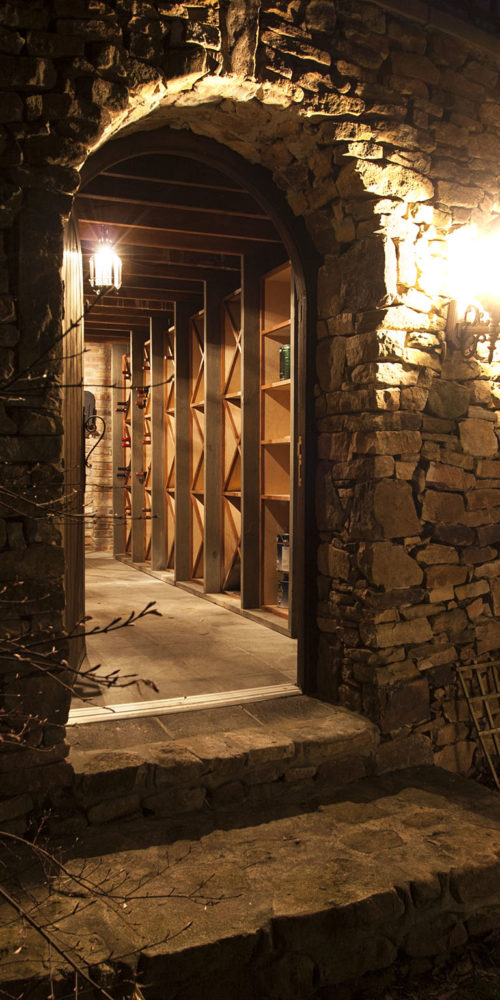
(73, 442)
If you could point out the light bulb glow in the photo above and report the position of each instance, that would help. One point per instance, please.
(473, 268)
(105, 267)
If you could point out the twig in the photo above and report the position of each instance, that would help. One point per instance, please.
(52, 943)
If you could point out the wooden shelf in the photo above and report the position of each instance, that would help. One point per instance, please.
(281, 385)
(279, 330)
(275, 432)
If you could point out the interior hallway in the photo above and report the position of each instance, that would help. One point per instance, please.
(194, 648)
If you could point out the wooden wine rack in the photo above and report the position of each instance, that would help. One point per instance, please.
(231, 442)
(169, 444)
(210, 498)
(197, 441)
(126, 397)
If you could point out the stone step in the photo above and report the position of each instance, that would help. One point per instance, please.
(208, 761)
(395, 871)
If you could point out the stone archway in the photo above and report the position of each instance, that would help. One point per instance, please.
(304, 259)
(191, 101)
(335, 101)
(276, 129)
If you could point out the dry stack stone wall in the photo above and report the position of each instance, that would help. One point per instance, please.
(99, 473)
(381, 123)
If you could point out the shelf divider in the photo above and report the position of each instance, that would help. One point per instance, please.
(183, 311)
(250, 365)
(117, 450)
(213, 430)
(137, 339)
(158, 542)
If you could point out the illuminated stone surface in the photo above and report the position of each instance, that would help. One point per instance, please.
(383, 133)
(286, 903)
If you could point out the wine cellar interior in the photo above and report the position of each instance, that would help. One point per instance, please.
(201, 336)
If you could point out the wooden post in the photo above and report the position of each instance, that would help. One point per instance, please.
(183, 310)
(214, 294)
(296, 443)
(117, 450)
(250, 517)
(158, 553)
(212, 546)
(137, 339)
(73, 442)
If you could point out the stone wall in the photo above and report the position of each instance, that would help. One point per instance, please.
(99, 473)
(381, 124)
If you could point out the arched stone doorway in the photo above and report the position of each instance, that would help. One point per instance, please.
(330, 102)
(171, 144)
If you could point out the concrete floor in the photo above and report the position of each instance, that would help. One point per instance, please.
(194, 648)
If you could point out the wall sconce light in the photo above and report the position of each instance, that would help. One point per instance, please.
(474, 285)
(105, 267)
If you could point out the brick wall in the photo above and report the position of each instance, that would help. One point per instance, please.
(98, 485)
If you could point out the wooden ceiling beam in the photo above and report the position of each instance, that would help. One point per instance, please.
(138, 286)
(130, 214)
(169, 274)
(139, 268)
(139, 293)
(186, 197)
(126, 312)
(134, 307)
(165, 239)
(158, 271)
(131, 316)
(181, 169)
(183, 259)
(98, 336)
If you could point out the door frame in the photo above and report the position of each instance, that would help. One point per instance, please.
(73, 444)
(305, 262)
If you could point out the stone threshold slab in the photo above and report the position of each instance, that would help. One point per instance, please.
(403, 867)
(187, 703)
(208, 761)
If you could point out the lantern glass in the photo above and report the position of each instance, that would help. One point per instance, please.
(105, 267)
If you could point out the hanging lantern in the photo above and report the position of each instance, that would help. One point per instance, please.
(105, 267)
